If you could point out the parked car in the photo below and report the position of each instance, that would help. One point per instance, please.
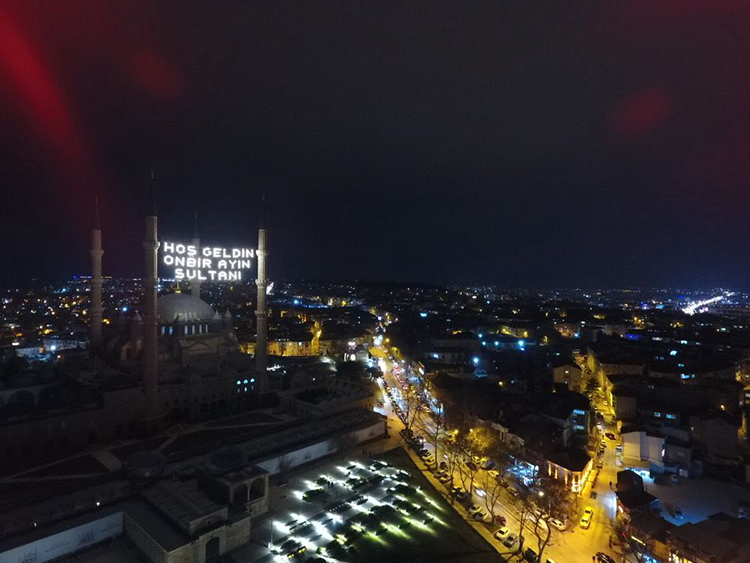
(677, 513)
(499, 519)
(510, 540)
(502, 534)
(600, 464)
(604, 558)
(482, 516)
(493, 474)
(474, 508)
(459, 493)
(588, 514)
(557, 524)
(610, 435)
(445, 478)
(530, 555)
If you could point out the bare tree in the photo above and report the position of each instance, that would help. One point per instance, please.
(552, 497)
(541, 499)
(493, 493)
(523, 502)
(433, 425)
(410, 406)
(494, 487)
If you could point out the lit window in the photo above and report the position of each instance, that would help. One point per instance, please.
(252, 380)
(239, 382)
(245, 382)
(671, 417)
(657, 415)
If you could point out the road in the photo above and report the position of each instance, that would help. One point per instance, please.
(573, 545)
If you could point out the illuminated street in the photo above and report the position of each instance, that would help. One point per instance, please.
(575, 543)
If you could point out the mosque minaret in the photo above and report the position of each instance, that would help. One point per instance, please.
(150, 316)
(195, 283)
(96, 283)
(261, 313)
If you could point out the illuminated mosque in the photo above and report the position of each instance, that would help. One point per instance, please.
(176, 359)
(140, 442)
(187, 351)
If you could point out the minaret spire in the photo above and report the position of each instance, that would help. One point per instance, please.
(96, 282)
(261, 313)
(195, 283)
(150, 359)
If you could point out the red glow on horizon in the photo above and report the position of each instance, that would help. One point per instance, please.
(156, 75)
(642, 112)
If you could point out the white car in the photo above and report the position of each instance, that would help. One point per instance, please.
(493, 473)
(557, 524)
(474, 508)
(502, 533)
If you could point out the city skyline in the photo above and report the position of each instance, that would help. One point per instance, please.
(365, 282)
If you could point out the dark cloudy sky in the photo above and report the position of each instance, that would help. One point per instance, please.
(516, 143)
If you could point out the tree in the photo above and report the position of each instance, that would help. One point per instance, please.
(493, 493)
(434, 427)
(552, 497)
(467, 469)
(493, 487)
(540, 500)
(592, 387)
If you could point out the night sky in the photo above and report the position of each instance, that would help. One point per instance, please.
(511, 143)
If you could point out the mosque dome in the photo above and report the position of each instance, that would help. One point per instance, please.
(188, 308)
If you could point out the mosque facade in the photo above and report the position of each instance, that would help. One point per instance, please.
(175, 360)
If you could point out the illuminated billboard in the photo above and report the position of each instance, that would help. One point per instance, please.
(209, 263)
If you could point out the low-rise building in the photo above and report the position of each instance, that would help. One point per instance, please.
(718, 539)
(568, 374)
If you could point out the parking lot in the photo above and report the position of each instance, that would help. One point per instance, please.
(362, 509)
